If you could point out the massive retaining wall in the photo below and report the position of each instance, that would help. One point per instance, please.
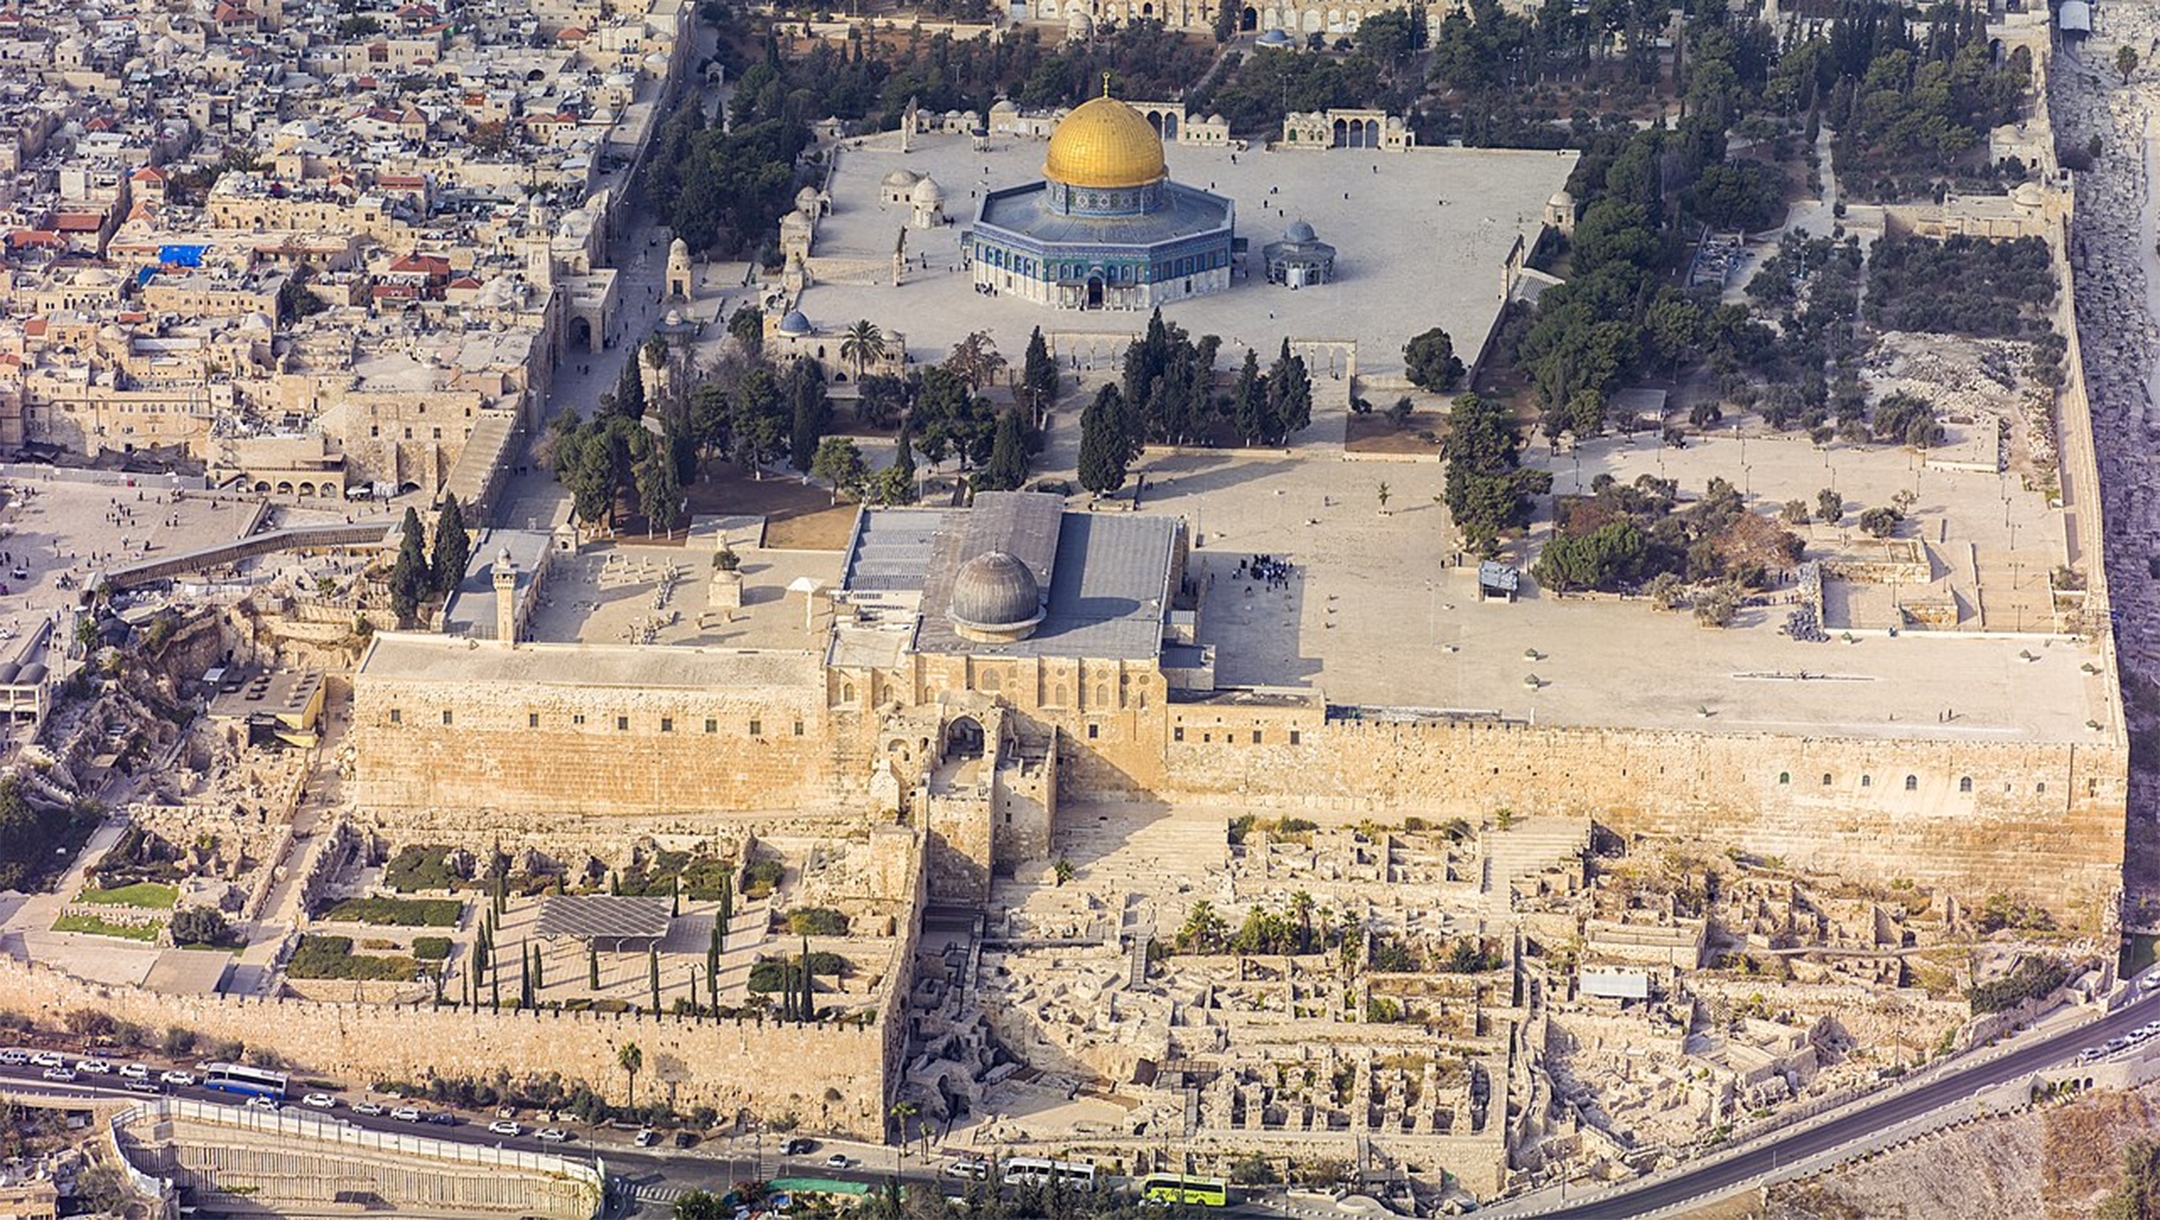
(832, 1077)
(2045, 820)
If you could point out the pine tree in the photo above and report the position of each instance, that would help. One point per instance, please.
(1007, 468)
(453, 547)
(410, 577)
(1103, 448)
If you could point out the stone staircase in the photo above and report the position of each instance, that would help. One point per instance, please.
(1522, 850)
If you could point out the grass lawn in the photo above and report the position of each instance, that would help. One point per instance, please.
(94, 926)
(149, 895)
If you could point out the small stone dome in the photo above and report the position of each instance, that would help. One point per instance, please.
(678, 250)
(928, 193)
(901, 177)
(995, 598)
(795, 323)
(806, 199)
(1299, 231)
(1274, 38)
(1079, 25)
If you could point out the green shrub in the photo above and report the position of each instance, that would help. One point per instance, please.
(402, 912)
(91, 925)
(762, 877)
(2030, 979)
(771, 974)
(817, 921)
(331, 957)
(149, 895)
(431, 948)
(420, 867)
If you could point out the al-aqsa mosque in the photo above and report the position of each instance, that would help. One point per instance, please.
(1105, 227)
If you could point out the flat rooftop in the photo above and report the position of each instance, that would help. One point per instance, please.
(1402, 224)
(403, 656)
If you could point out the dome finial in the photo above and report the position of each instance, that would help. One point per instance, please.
(1106, 84)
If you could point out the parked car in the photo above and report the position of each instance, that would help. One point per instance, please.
(686, 1139)
(838, 1160)
(405, 1114)
(135, 1071)
(176, 1076)
(320, 1101)
(140, 1086)
(646, 1137)
(799, 1146)
(503, 1126)
(262, 1103)
(47, 1059)
(60, 1073)
(555, 1135)
(443, 1118)
(14, 1057)
(95, 1067)
(971, 1168)
(366, 1107)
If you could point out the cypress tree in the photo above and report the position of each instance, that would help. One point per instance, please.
(1039, 376)
(809, 990)
(712, 960)
(693, 992)
(592, 967)
(525, 987)
(1249, 402)
(409, 577)
(614, 884)
(904, 457)
(495, 989)
(652, 962)
(630, 391)
(539, 971)
(453, 547)
(1007, 468)
(674, 898)
(1104, 449)
(727, 911)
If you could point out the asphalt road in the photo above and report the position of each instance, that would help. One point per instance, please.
(1727, 1174)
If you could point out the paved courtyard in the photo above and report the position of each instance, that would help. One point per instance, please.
(1420, 236)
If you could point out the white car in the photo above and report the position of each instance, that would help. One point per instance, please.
(646, 1137)
(554, 1135)
(405, 1114)
(135, 1071)
(47, 1059)
(259, 1102)
(60, 1073)
(366, 1107)
(320, 1101)
(95, 1067)
(503, 1126)
(14, 1057)
(176, 1076)
(838, 1160)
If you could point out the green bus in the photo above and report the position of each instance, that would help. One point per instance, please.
(1174, 1188)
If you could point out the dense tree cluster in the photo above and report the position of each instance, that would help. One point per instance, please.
(29, 835)
(1252, 92)
(1488, 492)
(724, 191)
(1910, 100)
(1962, 285)
(1624, 536)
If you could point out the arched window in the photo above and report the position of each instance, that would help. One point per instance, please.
(1867, 781)
(1912, 783)
(1826, 779)
(847, 692)
(1784, 777)
(1965, 783)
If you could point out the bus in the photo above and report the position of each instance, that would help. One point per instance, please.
(1176, 1188)
(1038, 1171)
(239, 1078)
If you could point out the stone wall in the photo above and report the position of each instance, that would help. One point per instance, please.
(1969, 816)
(832, 1077)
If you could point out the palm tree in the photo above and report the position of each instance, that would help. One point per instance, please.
(1301, 907)
(631, 1059)
(901, 1112)
(862, 344)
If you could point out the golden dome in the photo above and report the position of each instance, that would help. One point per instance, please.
(1104, 143)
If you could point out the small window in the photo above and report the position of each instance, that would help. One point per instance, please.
(532, 720)
(1784, 777)
(1965, 783)
(1294, 737)
(1912, 783)
(1176, 734)
(1867, 781)
(757, 728)
(667, 724)
(798, 728)
(1094, 731)
(1207, 739)
(711, 725)
(577, 718)
(2040, 787)
(622, 724)
(1256, 737)
(1826, 779)
(446, 716)
(397, 716)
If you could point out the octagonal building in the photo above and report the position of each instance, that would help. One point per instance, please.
(1105, 227)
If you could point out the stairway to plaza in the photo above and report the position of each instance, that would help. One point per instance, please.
(1524, 849)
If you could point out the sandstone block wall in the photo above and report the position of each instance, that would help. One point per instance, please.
(2044, 820)
(831, 1077)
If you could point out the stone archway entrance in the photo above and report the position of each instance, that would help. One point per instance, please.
(963, 739)
(580, 334)
(1094, 292)
(1249, 20)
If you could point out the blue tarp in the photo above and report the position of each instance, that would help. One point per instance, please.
(181, 256)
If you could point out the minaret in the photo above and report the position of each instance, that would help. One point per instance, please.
(506, 626)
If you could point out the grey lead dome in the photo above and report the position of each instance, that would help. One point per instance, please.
(995, 593)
